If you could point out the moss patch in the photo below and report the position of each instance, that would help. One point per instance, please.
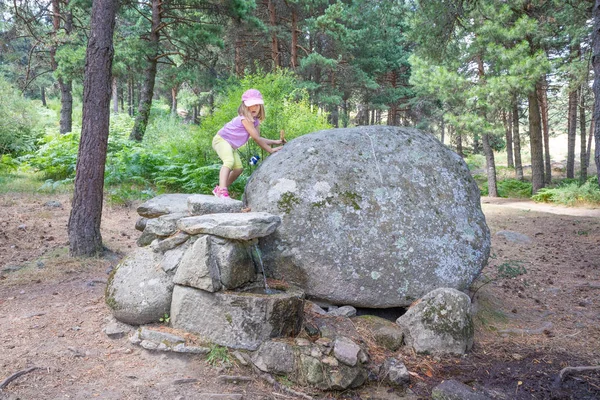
(287, 202)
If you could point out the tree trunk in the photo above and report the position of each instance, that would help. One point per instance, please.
(507, 121)
(596, 87)
(490, 166)
(86, 213)
(589, 144)
(487, 149)
(274, 44)
(66, 97)
(130, 96)
(536, 142)
(294, 49)
(583, 155)
(141, 120)
(459, 144)
(174, 91)
(543, 99)
(43, 96)
(517, 140)
(115, 95)
(572, 134)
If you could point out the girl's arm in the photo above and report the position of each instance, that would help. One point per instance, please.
(260, 141)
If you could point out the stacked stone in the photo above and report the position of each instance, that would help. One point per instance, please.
(196, 258)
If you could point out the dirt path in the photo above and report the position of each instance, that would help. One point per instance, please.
(542, 315)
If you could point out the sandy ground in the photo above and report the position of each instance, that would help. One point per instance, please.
(538, 311)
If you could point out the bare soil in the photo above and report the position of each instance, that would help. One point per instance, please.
(541, 316)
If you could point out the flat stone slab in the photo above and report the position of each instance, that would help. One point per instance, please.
(236, 226)
(201, 204)
(164, 204)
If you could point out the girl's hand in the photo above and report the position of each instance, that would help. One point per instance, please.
(275, 149)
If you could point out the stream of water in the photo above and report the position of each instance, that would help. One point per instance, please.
(262, 267)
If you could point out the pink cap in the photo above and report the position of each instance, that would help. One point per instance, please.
(252, 97)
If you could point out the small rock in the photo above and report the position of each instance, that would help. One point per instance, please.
(53, 204)
(395, 372)
(344, 311)
(331, 361)
(517, 356)
(346, 351)
(22, 227)
(116, 330)
(302, 342)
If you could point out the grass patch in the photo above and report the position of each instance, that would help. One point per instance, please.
(22, 181)
(571, 193)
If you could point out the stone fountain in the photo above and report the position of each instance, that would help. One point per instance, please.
(200, 265)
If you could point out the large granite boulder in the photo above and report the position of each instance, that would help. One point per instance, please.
(371, 216)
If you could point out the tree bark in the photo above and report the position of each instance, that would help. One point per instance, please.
(487, 149)
(174, 91)
(294, 49)
(274, 44)
(583, 152)
(596, 87)
(141, 120)
(115, 95)
(86, 213)
(589, 144)
(536, 142)
(130, 96)
(43, 96)
(572, 134)
(517, 141)
(543, 98)
(507, 121)
(66, 97)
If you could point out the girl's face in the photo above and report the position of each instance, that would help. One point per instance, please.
(254, 110)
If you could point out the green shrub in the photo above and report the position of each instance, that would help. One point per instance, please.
(19, 122)
(571, 192)
(287, 108)
(509, 188)
(475, 161)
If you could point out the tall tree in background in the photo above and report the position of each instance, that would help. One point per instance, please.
(178, 29)
(596, 66)
(86, 213)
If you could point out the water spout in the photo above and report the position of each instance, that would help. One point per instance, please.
(262, 267)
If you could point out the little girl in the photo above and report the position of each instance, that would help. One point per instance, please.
(235, 134)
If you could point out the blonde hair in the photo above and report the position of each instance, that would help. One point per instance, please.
(243, 110)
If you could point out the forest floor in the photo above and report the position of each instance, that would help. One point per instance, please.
(538, 311)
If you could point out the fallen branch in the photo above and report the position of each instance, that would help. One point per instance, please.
(571, 370)
(15, 376)
(269, 378)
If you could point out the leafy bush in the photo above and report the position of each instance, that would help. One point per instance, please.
(56, 156)
(19, 122)
(571, 192)
(287, 108)
(512, 188)
(475, 161)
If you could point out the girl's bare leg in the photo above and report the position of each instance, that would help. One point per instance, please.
(233, 175)
(224, 176)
